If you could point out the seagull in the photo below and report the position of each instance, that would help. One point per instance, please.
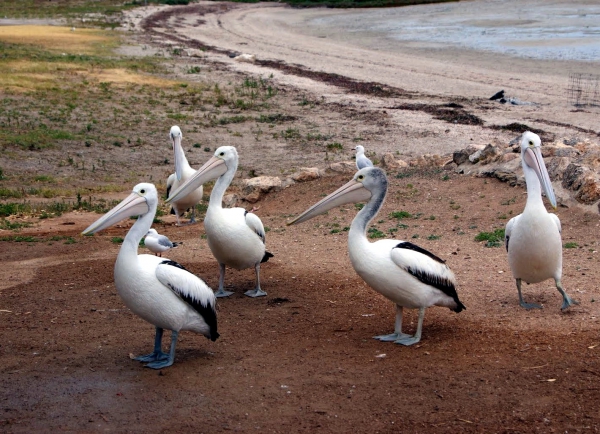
(401, 271)
(533, 240)
(361, 159)
(183, 172)
(157, 243)
(235, 236)
(158, 290)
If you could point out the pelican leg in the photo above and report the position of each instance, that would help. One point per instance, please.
(397, 329)
(167, 361)
(522, 303)
(192, 217)
(177, 216)
(157, 354)
(257, 292)
(221, 292)
(567, 301)
(411, 340)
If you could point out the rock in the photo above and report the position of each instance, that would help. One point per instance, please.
(343, 167)
(589, 192)
(474, 148)
(230, 200)
(557, 167)
(249, 58)
(254, 188)
(474, 157)
(194, 52)
(559, 150)
(428, 160)
(389, 162)
(489, 154)
(306, 174)
(509, 156)
(460, 157)
(574, 176)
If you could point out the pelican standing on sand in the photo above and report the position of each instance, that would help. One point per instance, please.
(158, 244)
(158, 290)
(183, 172)
(533, 238)
(235, 236)
(401, 271)
(362, 160)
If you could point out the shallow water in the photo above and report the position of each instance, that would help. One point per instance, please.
(538, 29)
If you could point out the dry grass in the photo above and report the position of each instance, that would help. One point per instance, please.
(55, 38)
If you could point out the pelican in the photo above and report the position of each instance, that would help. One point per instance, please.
(533, 240)
(235, 236)
(183, 172)
(362, 160)
(157, 289)
(403, 272)
(158, 244)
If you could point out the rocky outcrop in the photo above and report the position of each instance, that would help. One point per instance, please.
(306, 174)
(389, 162)
(254, 188)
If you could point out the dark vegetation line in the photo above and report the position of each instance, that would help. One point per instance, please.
(350, 3)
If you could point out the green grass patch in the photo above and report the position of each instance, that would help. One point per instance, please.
(375, 233)
(492, 239)
(400, 215)
(570, 245)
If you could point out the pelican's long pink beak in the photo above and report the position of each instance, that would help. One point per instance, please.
(533, 158)
(351, 192)
(212, 169)
(132, 205)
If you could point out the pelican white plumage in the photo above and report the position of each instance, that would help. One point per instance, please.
(183, 172)
(401, 271)
(235, 236)
(157, 243)
(533, 238)
(157, 289)
(362, 160)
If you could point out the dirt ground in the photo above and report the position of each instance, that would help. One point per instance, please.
(303, 359)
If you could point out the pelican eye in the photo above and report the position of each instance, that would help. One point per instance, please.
(143, 191)
(222, 154)
(530, 143)
(361, 177)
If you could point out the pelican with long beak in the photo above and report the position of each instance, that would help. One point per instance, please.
(533, 238)
(362, 160)
(183, 172)
(157, 289)
(403, 272)
(235, 236)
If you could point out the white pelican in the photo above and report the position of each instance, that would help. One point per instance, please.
(183, 172)
(158, 244)
(362, 160)
(157, 289)
(235, 236)
(406, 274)
(533, 238)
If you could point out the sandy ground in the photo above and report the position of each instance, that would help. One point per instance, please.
(303, 359)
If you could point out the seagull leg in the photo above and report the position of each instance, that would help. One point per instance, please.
(567, 301)
(411, 340)
(397, 329)
(157, 354)
(522, 303)
(257, 292)
(170, 358)
(221, 292)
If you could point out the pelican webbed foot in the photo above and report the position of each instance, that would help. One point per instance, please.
(157, 354)
(393, 337)
(168, 361)
(222, 293)
(409, 340)
(567, 301)
(255, 293)
(522, 302)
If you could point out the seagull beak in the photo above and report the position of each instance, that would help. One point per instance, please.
(212, 169)
(533, 158)
(178, 155)
(132, 205)
(351, 192)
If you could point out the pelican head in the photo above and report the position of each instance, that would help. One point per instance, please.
(141, 200)
(223, 158)
(531, 156)
(365, 183)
